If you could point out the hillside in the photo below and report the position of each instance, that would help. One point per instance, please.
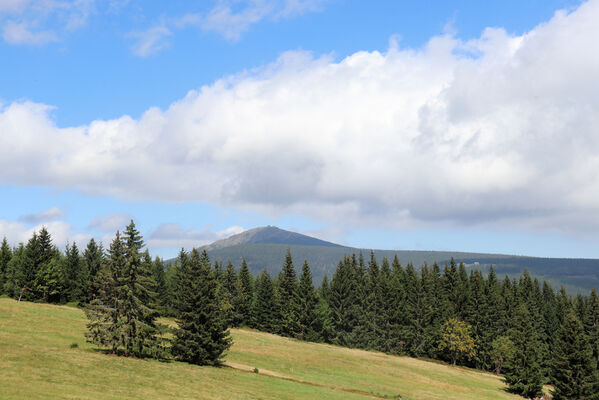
(265, 248)
(43, 355)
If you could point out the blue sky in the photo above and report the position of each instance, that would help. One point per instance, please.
(408, 125)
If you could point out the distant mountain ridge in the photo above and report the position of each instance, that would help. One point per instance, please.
(268, 235)
(264, 248)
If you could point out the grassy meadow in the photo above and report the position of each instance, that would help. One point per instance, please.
(43, 355)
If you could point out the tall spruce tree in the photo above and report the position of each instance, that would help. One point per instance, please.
(265, 310)
(77, 275)
(202, 336)
(308, 301)
(343, 304)
(288, 298)
(5, 256)
(93, 258)
(230, 292)
(523, 372)
(246, 294)
(104, 311)
(574, 370)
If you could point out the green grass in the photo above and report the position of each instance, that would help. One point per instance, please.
(43, 355)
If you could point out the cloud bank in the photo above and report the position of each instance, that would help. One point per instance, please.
(499, 130)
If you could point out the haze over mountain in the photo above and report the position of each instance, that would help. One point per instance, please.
(265, 248)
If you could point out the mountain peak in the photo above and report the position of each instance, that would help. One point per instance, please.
(269, 235)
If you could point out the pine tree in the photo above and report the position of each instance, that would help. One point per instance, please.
(324, 291)
(591, 325)
(308, 301)
(288, 298)
(574, 371)
(202, 336)
(323, 325)
(15, 272)
(523, 372)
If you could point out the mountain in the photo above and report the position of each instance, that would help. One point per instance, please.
(271, 235)
(265, 248)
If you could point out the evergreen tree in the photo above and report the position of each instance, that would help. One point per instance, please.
(246, 294)
(162, 290)
(591, 325)
(324, 291)
(104, 311)
(323, 325)
(93, 258)
(76, 275)
(288, 298)
(344, 304)
(15, 272)
(202, 336)
(523, 372)
(52, 280)
(266, 316)
(231, 294)
(138, 289)
(5, 256)
(574, 371)
(308, 301)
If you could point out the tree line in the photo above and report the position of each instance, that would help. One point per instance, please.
(517, 326)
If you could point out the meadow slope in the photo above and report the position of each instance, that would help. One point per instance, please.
(38, 362)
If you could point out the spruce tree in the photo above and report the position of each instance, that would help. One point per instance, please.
(162, 290)
(246, 294)
(265, 310)
(138, 289)
(230, 293)
(5, 256)
(202, 336)
(574, 370)
(288, 298)
(93, 257)
(523, 372)
(344, 305)
(104, 311)
(52, 282)
(308, 300)
(76, 275)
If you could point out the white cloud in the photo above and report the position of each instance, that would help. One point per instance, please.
(51, 214)
(171, 235)
(22, 33)
(497, 130)
(109, 224)
(232, 18)
(41, 22)
(61, 232)
(151, 41)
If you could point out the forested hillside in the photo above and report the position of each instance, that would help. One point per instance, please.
(520, 327)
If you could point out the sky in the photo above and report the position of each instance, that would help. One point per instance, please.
(440, 125)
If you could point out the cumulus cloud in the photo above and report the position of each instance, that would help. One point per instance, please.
(51, 214)
(500, 129)
(62, 232)
(173, 235)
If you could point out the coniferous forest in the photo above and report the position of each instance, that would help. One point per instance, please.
(521, 328)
